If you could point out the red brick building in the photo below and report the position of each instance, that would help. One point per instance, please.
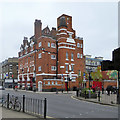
(50, 57)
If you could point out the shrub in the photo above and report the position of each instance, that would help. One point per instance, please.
(87, 91)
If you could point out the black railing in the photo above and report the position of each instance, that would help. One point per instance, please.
(37, 107)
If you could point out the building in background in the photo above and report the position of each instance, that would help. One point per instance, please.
(91, 64)
(51, 59)
(10, 71)
(0, 74)
(93, 68)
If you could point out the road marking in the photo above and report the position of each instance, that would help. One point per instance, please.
(74, 98)
(49, 117)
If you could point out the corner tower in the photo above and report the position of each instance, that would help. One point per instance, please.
(70, 50)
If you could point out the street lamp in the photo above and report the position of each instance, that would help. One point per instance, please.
(89, 79)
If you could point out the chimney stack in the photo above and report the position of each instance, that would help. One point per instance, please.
(37, 28)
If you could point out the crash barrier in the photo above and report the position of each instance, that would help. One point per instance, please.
(25, 104)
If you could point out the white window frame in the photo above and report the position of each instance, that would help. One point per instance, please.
(81, 56)
(53, 57)
(39, 68)
(67, 67)
(40, 44)
(53, 68)
(53, 83)
(81, 45)
(53, 45)
(48, 44)
(78, 45)
(40, 55)
(72, 67)
(66, 55)
(78, 55)
(48, 82)
(72, 57)
(56, 83)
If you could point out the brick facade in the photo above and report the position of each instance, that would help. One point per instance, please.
(51, 56)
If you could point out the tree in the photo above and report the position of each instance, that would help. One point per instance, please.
(97, 75)
(112, 74)
(80, 77)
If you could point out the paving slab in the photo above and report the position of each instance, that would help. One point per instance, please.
(6, 113)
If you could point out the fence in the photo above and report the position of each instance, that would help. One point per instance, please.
(29, 105)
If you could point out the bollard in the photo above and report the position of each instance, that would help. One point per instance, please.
(45, 108)
(89, 94)
(23, 103)
(8, 101)
(85, 94)
(56, 91)
(77, 93)
(99, 95)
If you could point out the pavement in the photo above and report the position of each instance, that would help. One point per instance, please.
(104, 99)
(6, 113)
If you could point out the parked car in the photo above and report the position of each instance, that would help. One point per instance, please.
(2, 88)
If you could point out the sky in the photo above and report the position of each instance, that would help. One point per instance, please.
(96, 22)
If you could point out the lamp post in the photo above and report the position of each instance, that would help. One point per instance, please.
(62, 83)
(89, 78)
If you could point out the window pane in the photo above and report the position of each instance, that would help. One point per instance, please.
(67, 68)
(66, 55)
(48, 44)
(72, 68)
(78, 44)
(72, 56)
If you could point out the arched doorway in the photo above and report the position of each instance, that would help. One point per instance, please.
(40, 86)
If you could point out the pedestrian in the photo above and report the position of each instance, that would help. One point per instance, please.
(108, 90)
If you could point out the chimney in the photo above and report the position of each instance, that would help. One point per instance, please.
(25, 41)
(37, 28)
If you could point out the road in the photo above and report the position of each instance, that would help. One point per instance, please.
(63, 106)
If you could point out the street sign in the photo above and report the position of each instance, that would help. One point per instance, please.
(6, 75)
(84, 74)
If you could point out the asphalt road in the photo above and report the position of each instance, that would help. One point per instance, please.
(63, 106)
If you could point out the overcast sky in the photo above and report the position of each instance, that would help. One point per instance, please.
(96, 22)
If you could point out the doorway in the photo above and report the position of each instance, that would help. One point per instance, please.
(40, 86)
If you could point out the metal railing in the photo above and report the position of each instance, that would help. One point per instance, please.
(37, 107)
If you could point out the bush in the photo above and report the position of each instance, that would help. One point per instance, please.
(87, 91)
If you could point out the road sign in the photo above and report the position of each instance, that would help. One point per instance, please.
(84, 74)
